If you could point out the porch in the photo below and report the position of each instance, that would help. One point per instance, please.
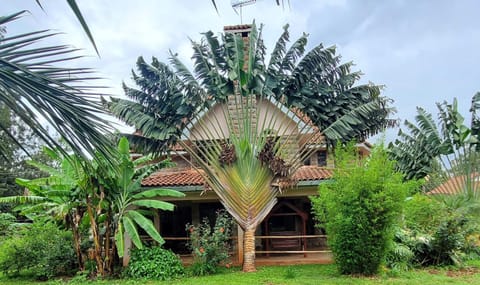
(318, 254)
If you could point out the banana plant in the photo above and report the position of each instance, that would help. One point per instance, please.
(131, 197)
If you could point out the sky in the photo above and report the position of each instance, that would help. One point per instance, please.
(422, 51)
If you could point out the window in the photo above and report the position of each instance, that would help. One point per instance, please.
(322, 158)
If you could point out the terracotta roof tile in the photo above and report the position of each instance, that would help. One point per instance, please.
(191, 177)
(312, 172)
(454, 185)
(188, 177)
(237, 27)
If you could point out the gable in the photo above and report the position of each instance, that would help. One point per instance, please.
(213, 124)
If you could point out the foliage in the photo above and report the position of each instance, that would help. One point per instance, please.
(434, 234)
(14, 162)
(41, 250)
(6, 220)
(243, 163)
(311, 274)
(447, 154)
(109, 196)
(116, 204)
(127, 195)
(316, 82)
(423, 213)
(452, 145)
(34, 82)
(210, 246)
(361, 206)
(154, 263)
(399, 256)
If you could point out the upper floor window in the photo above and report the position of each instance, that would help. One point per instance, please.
(322, 158)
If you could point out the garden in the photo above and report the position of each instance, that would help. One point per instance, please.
(73, 209)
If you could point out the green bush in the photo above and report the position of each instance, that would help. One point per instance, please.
(210, 246)
(360, 207)
(41, 250)
(423, 213)
(6, 220)
(154, 263)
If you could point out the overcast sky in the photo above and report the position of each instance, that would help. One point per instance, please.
(422, 51)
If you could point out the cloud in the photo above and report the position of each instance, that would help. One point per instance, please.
(423, 51)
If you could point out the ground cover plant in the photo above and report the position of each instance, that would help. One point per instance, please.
(154, 263)
(303, 274)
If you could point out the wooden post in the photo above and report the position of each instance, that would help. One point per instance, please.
(195, 214)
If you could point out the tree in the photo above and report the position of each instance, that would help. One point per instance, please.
(360, 207)
(449, 148)
(14, 164)
(108, 194)
(31, 86)
(55, 197)
(251, 159)
(116, 204)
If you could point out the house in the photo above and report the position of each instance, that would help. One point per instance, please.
(289, 227)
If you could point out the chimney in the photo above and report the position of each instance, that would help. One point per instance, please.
(234, 100)
(244, 32)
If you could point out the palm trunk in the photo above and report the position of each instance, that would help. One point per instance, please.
(249, 250)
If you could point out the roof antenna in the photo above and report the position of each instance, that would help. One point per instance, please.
(238, 4)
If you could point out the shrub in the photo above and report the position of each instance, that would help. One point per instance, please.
(400, 256)
(154, 263)
(42, 250)
(423, 214)
(360, 207)
(210, 246)
(6, 220)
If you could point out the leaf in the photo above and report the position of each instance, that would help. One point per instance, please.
(73, 5)
(132, 232)
(156, 204)
(146, 225)
(34, 86)
(123, 146)
(160, 192)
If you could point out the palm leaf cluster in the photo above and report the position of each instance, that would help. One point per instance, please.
(169, 95)
(34, 87)
(446, 147)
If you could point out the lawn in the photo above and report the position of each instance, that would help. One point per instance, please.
(301, 274)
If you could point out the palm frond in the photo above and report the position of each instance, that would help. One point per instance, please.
(32, 88)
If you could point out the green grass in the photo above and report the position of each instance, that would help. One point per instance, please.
(300, 274)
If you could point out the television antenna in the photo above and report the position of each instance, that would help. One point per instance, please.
(238, 4)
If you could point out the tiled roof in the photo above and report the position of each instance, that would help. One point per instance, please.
(187, 177)
(237, 27)
(312, 172)
(454, 185)
(191, 177)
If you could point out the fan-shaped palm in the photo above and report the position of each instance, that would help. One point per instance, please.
(247, 155)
